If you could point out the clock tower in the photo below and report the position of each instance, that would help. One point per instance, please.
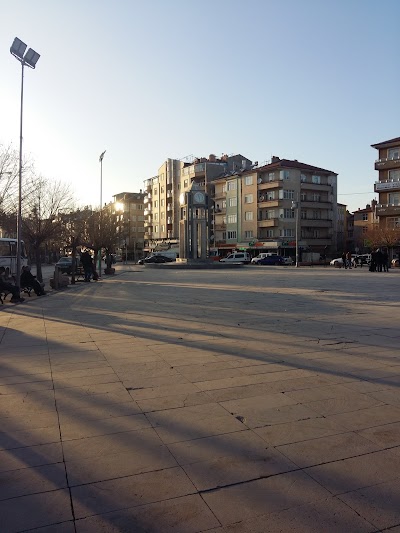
(193, 226)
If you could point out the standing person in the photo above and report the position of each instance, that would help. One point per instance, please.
(344, 259)
(6, 286)
(348, 259)
(379, 260)
(27, 279)
(87, 263)
(385, 261)
(372, 266)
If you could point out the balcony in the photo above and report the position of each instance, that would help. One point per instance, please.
(169, 220)
(385, 210)
(270, 223)
(316, 222)
(147, 199)
(318, 187)
(169, 194)
(220, 227)
(147, 212)
(148, 224)
(387, 185)
(386, 163)
(263, 202)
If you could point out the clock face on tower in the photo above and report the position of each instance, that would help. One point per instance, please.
(199, 197)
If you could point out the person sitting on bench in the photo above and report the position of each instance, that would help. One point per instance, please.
(6, 286)
(29, 280)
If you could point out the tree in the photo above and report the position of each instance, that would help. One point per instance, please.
(40, 216)
(383, 237)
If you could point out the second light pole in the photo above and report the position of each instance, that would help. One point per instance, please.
(101, 207)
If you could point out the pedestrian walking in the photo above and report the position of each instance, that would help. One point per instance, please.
(348, 260)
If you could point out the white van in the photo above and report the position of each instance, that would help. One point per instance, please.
(236, 257)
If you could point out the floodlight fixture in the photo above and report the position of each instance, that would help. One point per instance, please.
(31, 58)
(18, 48)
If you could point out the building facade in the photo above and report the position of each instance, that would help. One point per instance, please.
(265, 208)
(388, 184)
(162, 207)
(128, 210)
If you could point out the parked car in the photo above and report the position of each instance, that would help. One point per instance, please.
(288, 261)
(236, 257)
(117, 258)
(272, 260)
(258, 257)
(337, 262)
(65, 265)
(156, 259)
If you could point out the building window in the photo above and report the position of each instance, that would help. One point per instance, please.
(394, 198)
(316, 214)
(284, 174)
(155, 229)
(316, 233)
(394, 153)
(287, 233)
(162, 215)
(270, 195)
(224, 235)
(155, 216)
(316, 197)
(231, 234)
(232, 219)
(155, 190)
(162, 203)
(316, 179)
(303, 197)
(365, 229)
(393, 222)
(271, 176)
(232, 202)
(155, 203)
(248, 215)
(303, 178)
(288, 213)
(231, 185)
(248, 180)
(286, 194)
(223, 204)
(185, 183)
(248, 198)
(224, 188)
(271, 214)
(248, 234)
(394, 175)
(140, 217)
(270, 233)
(365, 216)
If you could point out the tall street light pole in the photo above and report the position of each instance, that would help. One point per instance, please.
(101, 204)
(29, 58)
(295, 207)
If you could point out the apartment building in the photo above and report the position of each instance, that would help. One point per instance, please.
(341, 233)
(359, 223)
(388, 184)
(260, 208)
(128, 210)
(162, 208)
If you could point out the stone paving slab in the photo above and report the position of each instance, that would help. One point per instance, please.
(157, 400)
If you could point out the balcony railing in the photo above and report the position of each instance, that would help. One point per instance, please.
(387, 185)
(385, 162)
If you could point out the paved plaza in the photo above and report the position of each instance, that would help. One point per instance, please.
(256, 399)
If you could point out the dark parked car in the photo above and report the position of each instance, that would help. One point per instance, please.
(155, 259)
(272, 260)
(65, 265)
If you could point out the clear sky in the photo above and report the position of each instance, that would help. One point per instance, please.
(313, 80)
